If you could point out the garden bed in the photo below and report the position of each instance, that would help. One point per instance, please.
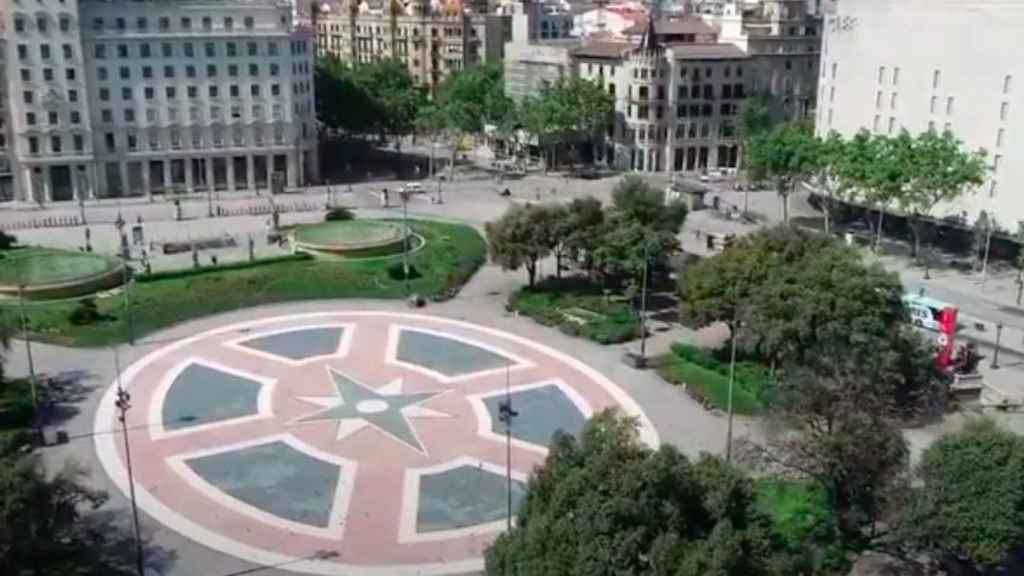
(578, 308)
(707, 379)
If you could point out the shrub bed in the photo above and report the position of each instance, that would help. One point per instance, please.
(707, 378)
(578, 308)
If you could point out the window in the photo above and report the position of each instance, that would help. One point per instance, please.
(65, 24)
(190, 71)
(129, 115)
(125, 73)
(892, 100)
(48, 74)
(22, 52)
(122, 50)
(26, 74)
(52, 118)
(789, 64)
(172, 114)
(835, 66)
(33, 145)
(936, 79)
(100, 51)
(101, 73)
(141, 23)
(165, 23)
(120, 23)
(211, 49)
(19, 24)
(992, 189)
(167, 50)
(1000, 136)
(932, 105)
(186, 23)
(272, 47)
(126, 93)
(79, 142)
(274, 69)
(214, 112)
(168, 71)
(28, 97)
(144, 51)
(881, 74)
(254, 69)
(151, 115)
(170, 92)
(892, 124)
(213, 91)
(874, 125)
(147, 71)
(233, 70)
(207, 23)
(254, 90)
(236, 112)
(252, 49)
(133, 141)
(97, 24)
(1004, 110)
(1007, 84)
(108, 139)
(72, 95)
(878, 99)
(234, 91)
(75, 117)
(68, 53)
(949, 105)
(257, 112)
(211, 70)
(56, 145)
(232, 49)
(896, 76)
(931, 125)
(275, 89)
(69, 74)
(107, 115)
(41, 24)
(149, 92)
(44, 51)
(189, 50)
(229, 23)
(249, 23)
(193, 91)
(154, 140)
(996, 161)
(30, 118)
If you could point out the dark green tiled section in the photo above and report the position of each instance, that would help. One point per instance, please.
(542, 411)
(298, 344)
(446, 355)
(464, 496)
(201, 395)
(276, 479)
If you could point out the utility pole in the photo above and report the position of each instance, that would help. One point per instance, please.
(123, 403)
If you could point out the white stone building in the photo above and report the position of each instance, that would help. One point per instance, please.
(943, 64)
(113, 98)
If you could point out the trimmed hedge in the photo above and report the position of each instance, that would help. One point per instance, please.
(242, 265)
(549, 301)
(708, 378)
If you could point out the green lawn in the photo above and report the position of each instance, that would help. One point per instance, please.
(50, 266)
(708, 378)
(578, 308)
(453, 252)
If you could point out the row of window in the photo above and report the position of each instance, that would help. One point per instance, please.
(643, 111)
(152, 115)
(49, 75)
(155, 142)
(695, 73)
(120, 24)
(695, 91)
(42, 23)
(45, 52)
(171, 92)
(170, 71)
(187, 49)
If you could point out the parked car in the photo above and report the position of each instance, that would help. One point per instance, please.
(413, 188)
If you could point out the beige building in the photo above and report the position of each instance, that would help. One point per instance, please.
(432, 39)
(960, 69)
(113, 98)
(678, 83)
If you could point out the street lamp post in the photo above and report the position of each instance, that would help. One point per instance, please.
(505, 415)
(27, 337)
(123, 403)
(732, 384)
(643, 307)
(405, 237)
(995, 353)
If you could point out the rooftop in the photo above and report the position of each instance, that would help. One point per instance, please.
(687, 51)
(602, 49)
(667, 27)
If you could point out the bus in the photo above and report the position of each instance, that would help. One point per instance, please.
(937, 316)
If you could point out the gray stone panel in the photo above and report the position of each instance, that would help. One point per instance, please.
(464, 496)
(201, 395)
(446, 355)
(542, 411)
(298, 344)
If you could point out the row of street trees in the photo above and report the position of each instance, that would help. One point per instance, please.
(913, 174)
(612, 243)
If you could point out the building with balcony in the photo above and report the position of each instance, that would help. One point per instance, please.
(960, 70)
(432, 39)
(678, 84)
(114, 98)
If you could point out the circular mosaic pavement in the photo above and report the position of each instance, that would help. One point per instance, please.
(345, 442)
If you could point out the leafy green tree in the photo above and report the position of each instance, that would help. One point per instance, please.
(970, 503)
(828, 167)
(468, 100)
(607, 504)
(888, 173)
(567, 112)
(522, 237)
(755, 119)
(40, 517)
(787, 155)
(942, 172)
(378, 98)
(582, 230)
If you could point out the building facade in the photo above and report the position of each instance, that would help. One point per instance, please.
(116, 98)
(959, 71)
(678, 84)
(431, 39)
(6, 150)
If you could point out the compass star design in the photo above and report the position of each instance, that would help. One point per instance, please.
(387, 409)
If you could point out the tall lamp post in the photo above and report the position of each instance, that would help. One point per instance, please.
(27, 337)
(123, 404)
(643, 306)
(505, 415)
(732, 384)
(404, 193)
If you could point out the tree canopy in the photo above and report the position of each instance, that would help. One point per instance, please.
(569, 111)
(971, 499)
(377, 98)
(522, 237)
(607, 504)
(788, 155)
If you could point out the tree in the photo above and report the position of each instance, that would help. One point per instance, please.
(582, 230)
(521, 238)
(606, 504)
(942, 172)
(755, 119)
(787, 155)
(468, 100)
(828, 167)
(378, 98)
(970, 503)
(568, 111)
(888, 172)
(40, 528)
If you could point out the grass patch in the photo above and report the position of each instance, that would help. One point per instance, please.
(579, 308)
(453, 252)
(708, 379)
(801, 516)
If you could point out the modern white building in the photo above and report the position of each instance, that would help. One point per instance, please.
(887, 65)
(113, 98)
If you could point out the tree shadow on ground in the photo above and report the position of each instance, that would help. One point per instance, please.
(63, 392)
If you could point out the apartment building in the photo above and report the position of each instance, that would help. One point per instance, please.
(678, 83)
(960, 70)
(6, 150)
(115, 98)
(432, 39)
